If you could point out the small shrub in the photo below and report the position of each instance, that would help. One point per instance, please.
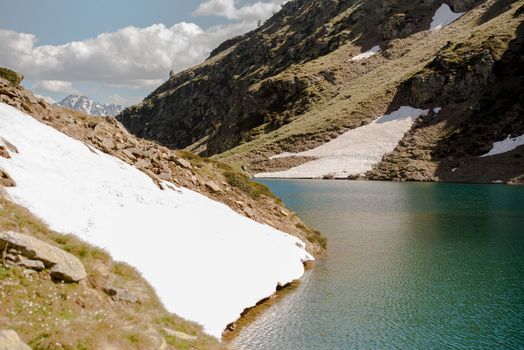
(245, 184)
(125, 271)
(191, 157)
(11, 76)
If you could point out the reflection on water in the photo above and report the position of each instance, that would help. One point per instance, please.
(410, 266)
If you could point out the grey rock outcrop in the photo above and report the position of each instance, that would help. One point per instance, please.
(119, 294)
(63, 265)
(9, 340)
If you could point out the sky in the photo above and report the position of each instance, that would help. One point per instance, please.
(116, 51)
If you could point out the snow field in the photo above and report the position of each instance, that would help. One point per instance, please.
(206, 262)
(356, 151)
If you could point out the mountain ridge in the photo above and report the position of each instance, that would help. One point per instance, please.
(86, 105)
(291, 85)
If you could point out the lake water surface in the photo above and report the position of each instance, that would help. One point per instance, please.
(410, 266)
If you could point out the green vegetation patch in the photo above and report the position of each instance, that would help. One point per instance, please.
(246, 185)
(11, 76)
(313, 236)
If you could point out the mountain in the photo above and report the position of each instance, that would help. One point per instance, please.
(88, 106)
(321, 69)
(183, 221)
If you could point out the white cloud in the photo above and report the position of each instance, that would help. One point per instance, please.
(130, 57)
(121, 100)
(48, 99)
(58, 86)
(260, 10)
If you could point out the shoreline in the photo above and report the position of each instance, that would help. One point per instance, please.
(251, 314)
(401, 181)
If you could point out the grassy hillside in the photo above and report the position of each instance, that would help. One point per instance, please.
(291, 85)
(50, 315)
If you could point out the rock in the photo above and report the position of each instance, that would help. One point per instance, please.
(166, 176)
(6, 180)
(107, 143)
(180, 335)
(30, 263)
(3, 152)
(284, 213)
(129, 154)
(249, 213)
(135, 152)
(143, 164)
(329, 76)
(11, 257)
(182, 162)
(119, 294)
(64, 266)
(9, 340)
(213, 186)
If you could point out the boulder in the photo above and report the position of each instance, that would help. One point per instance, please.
(9, 340)
(6, 180)
(166, 176)
(64, 266)
(107, 143)
(213, 186)
(182, 162)
(119, 294)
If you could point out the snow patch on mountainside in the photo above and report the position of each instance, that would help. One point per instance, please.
(86, 105)
(507, 145)
(444, 16)
(206, 262)
(354, 152)
(371, 52)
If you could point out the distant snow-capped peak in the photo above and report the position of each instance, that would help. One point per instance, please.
(86, 105)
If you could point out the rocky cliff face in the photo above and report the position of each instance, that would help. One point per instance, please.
(481, 85)
(256, 83)
(291, 85)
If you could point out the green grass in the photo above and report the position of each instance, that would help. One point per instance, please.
(245, 184)
(4, 273)
(10, 76)
(313, 236)
(81, 316)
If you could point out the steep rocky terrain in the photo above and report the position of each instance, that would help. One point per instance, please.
(112, 306)
(214, 179)
(291, 85)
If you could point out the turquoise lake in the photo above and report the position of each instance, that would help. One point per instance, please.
(409, 266)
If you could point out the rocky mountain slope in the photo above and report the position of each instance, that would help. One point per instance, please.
(300, 81)
(86, 105)
(136, 317)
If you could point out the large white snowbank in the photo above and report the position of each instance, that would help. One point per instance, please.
(356, 151)
(509, 144)
(444, 16)
(206, 262)
(371, 52)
